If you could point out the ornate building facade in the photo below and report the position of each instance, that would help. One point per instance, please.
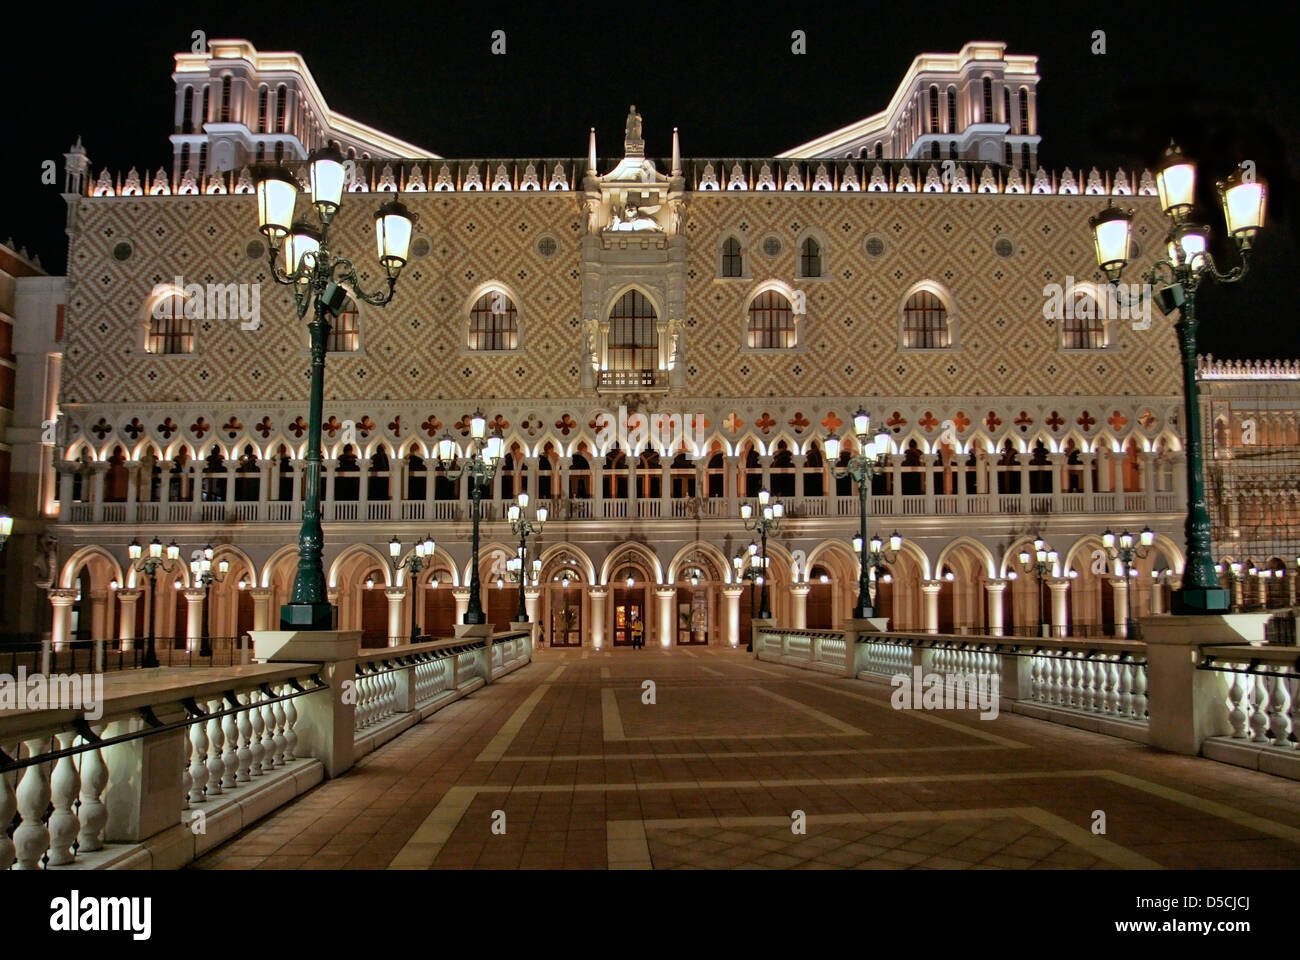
(657, 339)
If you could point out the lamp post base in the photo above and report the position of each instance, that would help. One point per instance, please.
(308, 616)
(863, 613)
(1191, 601)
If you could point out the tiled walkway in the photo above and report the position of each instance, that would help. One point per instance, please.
(740, 764)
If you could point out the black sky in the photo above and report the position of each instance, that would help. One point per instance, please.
(721, 72)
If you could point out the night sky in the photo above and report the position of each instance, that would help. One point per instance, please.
(723, 73)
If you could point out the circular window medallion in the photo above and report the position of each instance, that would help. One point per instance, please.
(772, 246)
(254, 249)
(547, 246)
(1004, 247)
(421, 247)
(875, 246)
(1134, 251)
(123, 251)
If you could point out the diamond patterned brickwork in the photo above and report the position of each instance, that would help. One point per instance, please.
(413, 352)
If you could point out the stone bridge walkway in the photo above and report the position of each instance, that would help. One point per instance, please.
(562, 764)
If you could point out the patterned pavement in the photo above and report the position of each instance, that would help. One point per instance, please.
(737, 764)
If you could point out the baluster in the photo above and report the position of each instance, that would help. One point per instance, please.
(8, 807)
(216, 740)
(1139, 692)
(1236, 715)
(1259, 710)
(1054, 688)
(186, 781)
(277, 710)
(198, 760)
(254, 715)
(1035, 678)
(32, 838)
(230, 755)
(1279, 709)
(268, 735)
(64, 824)
(93, 811)
(290, 721)
(1124, 686)
(1078, 688)
(1090, 693)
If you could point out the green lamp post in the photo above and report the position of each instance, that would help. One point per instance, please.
(318, 278)
(1187, 265)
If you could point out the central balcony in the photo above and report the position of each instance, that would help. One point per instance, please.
(615, 380)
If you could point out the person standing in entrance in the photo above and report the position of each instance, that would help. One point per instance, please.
(638, 633)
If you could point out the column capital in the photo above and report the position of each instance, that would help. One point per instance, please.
(665, 593)
(931, 586)
(461, 593)
(1057, 583)
(129, 594)
(995, 586)
(63, 597)
(397, 593)
(800, 589)
(598, 591)
(260, 593)
(194, 594)
(532, 593)
(732, 592)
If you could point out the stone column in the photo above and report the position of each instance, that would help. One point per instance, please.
(1060, 469)
(395, 597)
(930, 589)
(61, 600)
(261, 607)
(1157, 597)
(799, 605)
(732, 596)
(126, 617)
(667, 615)
(133, 474)
(1120, 586)
(98, 615)
(531, 595)
(462, 604)
(996, 590)
(598, 595)
(99, 470)
(194, 618)
(1059, 587)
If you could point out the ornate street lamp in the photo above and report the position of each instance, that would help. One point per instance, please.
(875, 560)
(1041, 562)
(768, 520)
(1124, 549)
(481, 466)
(421, 555)
(750, 566)
(149, 566)
(862, 467)
(318, 278)
(522, 527)
(201, 570)
(1187, 265)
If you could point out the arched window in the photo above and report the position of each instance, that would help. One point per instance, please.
(579, 478)
(1083, 328)
(170, 330)
(263, 100)
(345, 332)
(1024, 156)
(347, 476)
(493, 323)
(925, 322)
(281, 107)
(952, 110)
(378, 479)
(934, 109)
(214, 477)
(987, 116)
(1006, 153)
(187, 108)
(1006, 106)
(771, 322)
(934, 149)
(117, 478)
(633, 340)
(880, 150)
(732, 261)
(248, 477)
(225, 99)
(952, 150)
(203, 159)
(1023, 97)
(279, 152)
(810, 258)
(185, 158)
(416, 478)
(202, 116)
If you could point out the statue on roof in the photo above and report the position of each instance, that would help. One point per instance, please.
(633, 130)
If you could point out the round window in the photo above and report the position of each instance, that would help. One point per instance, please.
(1003, 247)
(875, 246)
(772, 246)
(122, 251)
(547, 246)
(254, 249)
(421, 247)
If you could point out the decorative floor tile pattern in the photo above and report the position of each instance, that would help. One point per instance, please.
(561, 765)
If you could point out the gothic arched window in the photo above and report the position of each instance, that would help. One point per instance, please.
(733, 264)
(810, 258)
(925, 322)
(493, 322)
(770, 325)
